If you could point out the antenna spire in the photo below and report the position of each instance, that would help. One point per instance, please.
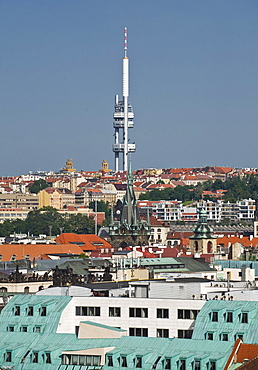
(125, 42)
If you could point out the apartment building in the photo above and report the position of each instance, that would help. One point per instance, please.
(56, 198)
(12, 214)
(33, 336)
(17, 200)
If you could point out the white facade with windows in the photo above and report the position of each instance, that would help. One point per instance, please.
(138, 316)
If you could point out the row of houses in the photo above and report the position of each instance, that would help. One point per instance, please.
(217, 211)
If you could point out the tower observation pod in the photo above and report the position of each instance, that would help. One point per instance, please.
(123, 117)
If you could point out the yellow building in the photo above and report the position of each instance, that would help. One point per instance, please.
(68, 166)
(104, 167)
(50, 197)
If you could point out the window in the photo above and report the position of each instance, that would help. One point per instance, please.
(224, 337)
(212, 365)
(30, 311)
(35, 357)
(138, 312)
(187, 314)
(48, 358)
(77, 330)
(162, 313)
(109, 361)
(37, 329)
(167, 363)
(123, 361)
(24, 329)
(244, 318)
(43, 311)
(17, 311)
(87, 311)
(85, 360)
(214, 316)
(138, 332)
(239, 336)
(8, 356)
(184, 333)
(162, 333)
(209, 336)
(182, 365)
(114, 311)
(229, 316)
(10, 328)
(197, 365)
(138, 362)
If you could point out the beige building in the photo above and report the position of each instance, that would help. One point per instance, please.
(12, 214)
(17, 200)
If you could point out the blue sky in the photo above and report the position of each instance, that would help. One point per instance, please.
(193, 82)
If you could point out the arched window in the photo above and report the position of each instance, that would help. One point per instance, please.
(196, 246)
(26, 290)
(209, 247)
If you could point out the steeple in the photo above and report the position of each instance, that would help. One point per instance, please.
(130, 212)
(127, 229)
(203, 229)
(203, 241)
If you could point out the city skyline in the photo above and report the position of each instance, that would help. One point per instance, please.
(193, 83)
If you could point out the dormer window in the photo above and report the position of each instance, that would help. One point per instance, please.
(17, 311)
(30, 311)
(214, 316)
(244, 318)
(43, 311)
(229, 316)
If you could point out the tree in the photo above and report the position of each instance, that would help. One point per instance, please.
(102, 207)
(38, 185)
(81, 224)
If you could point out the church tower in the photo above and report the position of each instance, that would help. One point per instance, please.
(126, 228)
(203, 241)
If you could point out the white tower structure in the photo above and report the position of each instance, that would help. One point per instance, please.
(123, 117)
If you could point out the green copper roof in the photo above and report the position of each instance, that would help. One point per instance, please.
(54, 306)
(243, 321)
(203, 230)
(153, 351)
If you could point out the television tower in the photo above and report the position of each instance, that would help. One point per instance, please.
(123, 117)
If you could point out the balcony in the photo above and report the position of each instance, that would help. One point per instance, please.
(120, 148)
(120, 123)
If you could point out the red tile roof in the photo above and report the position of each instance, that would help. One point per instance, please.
(36, 250)
(87, 242)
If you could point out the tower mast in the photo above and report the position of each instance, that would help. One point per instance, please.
(123, 116)
(125, 99)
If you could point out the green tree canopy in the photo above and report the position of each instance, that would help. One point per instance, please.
(48, 220)
(38, 185)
